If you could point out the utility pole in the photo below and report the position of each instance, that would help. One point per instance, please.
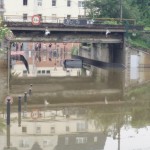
(85, 8)
(120, 9)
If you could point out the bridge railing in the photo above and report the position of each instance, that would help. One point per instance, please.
(44, 19)
(51, 19)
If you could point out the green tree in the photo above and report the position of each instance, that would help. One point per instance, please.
(144, 9)
(4, 32)
(131, 9)
(3, 29)
(102, 8)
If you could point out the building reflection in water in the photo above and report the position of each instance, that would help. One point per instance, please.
(111, 124)
(107, 127)
(44, 59)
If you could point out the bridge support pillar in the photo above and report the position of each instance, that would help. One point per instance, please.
(100, 51)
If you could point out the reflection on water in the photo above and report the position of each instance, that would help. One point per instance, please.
(99, 109)
(42, 59)
(107, 127)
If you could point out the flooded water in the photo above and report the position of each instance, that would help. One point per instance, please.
(91, 109)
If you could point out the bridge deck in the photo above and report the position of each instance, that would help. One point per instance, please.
(61, 27)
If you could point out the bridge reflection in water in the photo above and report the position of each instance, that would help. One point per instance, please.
(96, 85)
(56, 84)
(79, 127)
(102, 121)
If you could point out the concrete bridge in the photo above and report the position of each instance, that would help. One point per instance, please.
(60, 32)
(98, 42)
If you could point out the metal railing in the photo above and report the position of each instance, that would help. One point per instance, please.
(51, 19)
(43, 19)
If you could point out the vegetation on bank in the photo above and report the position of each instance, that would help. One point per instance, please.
(141, 40)
(135, 11)
(139, 93)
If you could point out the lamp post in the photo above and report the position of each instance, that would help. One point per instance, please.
(8, 66)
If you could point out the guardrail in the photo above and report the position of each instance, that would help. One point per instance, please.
(50, 19)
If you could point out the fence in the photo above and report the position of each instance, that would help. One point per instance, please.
(52, 19)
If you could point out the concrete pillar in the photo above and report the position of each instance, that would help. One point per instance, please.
(80, 51)
(100, 51)
(97, 53)
(83, 72)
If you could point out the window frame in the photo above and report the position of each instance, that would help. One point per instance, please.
(68, 3)
(25, 17)
(39, 3)
(68, 16)
(24, 129)
(81, 4)
(53, 3)
(25, 2)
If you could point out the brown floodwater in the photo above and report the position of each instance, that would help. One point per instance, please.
(108, 110)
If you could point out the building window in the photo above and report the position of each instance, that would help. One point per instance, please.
(67, 129)
(38, 129)
(68, 3)
(52, 129)
(48, 71)
(80, 16)
(1, 4)
(40, 15)
(24, 144)
(25, 2)
(43, 71)
(54, 17)
(82, 126)
(24, 72)
(45, 143)
(24, 129)
(39, 72)
(95, 139)
(80, 3)
(81, 140)
(68, 16)
(39, 2)
(25, 16)
(53, 2)
(66, 140)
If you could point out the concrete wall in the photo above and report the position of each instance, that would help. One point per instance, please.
(97, 51)
(137, 62)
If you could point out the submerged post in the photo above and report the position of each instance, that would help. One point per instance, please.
(8, 123)
(19, 111)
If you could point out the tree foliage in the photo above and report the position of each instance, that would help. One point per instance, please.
(135, 9)
(3, 29)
